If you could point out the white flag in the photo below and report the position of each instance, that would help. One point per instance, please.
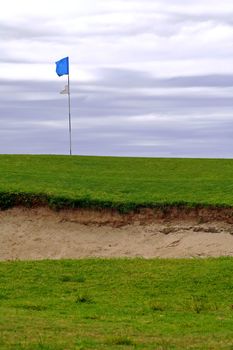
(65, 90)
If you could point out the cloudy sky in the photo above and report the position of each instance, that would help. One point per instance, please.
(149, 78)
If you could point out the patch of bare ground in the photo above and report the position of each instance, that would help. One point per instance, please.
(41, 233)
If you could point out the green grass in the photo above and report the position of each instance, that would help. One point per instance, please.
(117, 304)
(121, 183)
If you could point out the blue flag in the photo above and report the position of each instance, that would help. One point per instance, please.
(62, 66)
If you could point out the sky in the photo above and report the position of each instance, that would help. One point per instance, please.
(151, 78)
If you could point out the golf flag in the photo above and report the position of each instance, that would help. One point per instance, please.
(65, 90)
(62, 66)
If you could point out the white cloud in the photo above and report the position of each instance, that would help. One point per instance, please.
(118, 33)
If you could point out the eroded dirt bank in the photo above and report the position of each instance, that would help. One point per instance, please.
(41, 233)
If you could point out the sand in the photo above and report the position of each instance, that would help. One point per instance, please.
(40, 233)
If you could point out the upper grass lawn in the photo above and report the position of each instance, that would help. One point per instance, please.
(118, 182)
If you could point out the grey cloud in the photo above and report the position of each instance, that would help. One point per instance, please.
(29, 29)
(133, 78)
(112, 122)
(217, 18)
(101, 99)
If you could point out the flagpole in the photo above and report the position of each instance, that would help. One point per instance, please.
(62, 67)
(69, 113)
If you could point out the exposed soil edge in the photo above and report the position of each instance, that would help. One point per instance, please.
(142, 216)
(145, 216)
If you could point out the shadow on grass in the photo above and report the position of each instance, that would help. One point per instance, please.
(72, 278)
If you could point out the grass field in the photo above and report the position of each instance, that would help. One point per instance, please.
(117, 304)
(122, 183)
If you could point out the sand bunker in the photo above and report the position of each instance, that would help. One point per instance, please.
(41, 233)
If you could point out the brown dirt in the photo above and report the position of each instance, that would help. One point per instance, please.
(41, 233)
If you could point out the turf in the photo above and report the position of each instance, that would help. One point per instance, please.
(122, 183)
(117, 304)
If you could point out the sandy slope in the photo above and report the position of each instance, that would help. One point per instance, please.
(41, 233)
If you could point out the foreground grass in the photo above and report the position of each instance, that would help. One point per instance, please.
(117, 304)
(123, 183)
